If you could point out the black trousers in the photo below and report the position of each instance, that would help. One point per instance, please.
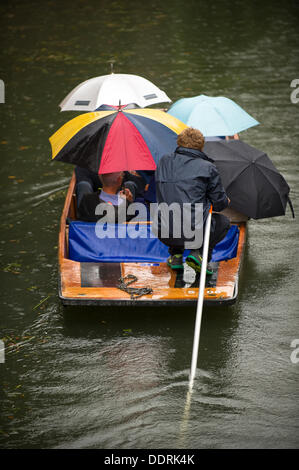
(220, 225)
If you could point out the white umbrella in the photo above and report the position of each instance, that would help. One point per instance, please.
(113, 89)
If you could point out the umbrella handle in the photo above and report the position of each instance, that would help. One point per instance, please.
(291, 207)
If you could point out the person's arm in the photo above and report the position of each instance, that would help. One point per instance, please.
(86, 209)
(215, 191)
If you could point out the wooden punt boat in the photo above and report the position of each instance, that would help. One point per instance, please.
(89, 283)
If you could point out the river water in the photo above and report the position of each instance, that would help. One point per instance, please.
(118, 378)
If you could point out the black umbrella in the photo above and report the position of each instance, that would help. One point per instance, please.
(253, 184)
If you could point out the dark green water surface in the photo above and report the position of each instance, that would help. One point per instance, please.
(118, 378)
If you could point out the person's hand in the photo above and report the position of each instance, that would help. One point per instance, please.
(228, 200)
(126, 194)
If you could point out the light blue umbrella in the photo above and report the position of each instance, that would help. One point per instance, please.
(213, 116)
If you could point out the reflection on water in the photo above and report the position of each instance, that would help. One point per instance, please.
(118, 378)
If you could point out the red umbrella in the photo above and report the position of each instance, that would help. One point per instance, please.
(122, 140)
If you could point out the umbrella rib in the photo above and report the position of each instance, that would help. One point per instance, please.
(269, 181)
(256, 192)
(222, 117)
(72, 128)
(237, 176)
(98, 94)
(275, 171)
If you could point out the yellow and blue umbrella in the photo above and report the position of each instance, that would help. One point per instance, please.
(117, 139)
(213, 116)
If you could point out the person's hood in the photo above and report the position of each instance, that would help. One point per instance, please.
(193, 153)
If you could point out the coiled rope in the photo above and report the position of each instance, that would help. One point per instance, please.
(134, 292)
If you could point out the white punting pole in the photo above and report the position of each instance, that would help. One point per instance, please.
(200, 297)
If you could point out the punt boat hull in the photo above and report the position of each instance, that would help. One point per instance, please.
(95, 284)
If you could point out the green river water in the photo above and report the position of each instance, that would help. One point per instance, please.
(118, 378)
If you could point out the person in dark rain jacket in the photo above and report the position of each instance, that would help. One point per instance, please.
(190, 176)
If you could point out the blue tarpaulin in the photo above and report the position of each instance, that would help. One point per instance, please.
(92, 242)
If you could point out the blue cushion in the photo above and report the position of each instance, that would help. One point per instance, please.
(130, 245)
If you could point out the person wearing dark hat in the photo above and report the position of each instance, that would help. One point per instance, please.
(189, 176)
